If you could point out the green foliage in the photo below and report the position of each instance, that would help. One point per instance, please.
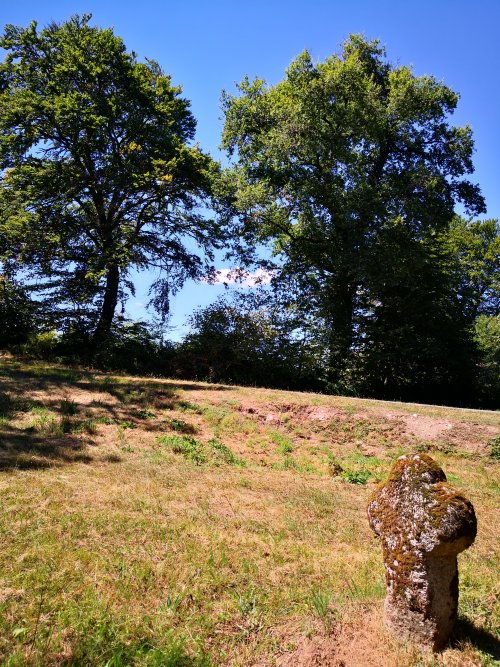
(187, 406)
(143, 414)
(495, 448)
(134, 347)
(329, 163)
(68, 407)
(321, 604)
(42, 345)
(251, 339)
(350, 168)
(17, 313)
(185, 445)
(181, 426)
(487, 338)
(99, 172)
(417, 328)
(356, 476)
(285, 445)
(476, 246)
(222, 454)
(102, 639)
(215, 452)
(46, 422)
(125, 424)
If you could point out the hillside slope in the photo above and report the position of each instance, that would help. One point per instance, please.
(155, 522)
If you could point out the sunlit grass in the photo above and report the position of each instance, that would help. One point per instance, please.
(144, 523)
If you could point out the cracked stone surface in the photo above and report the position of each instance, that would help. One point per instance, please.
(423, 523)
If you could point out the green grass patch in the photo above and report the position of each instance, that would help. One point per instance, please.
(283, 442)
(214, 452)
(143, 414)
(187, 446)
(187, 406)
(68, 407)
(494, 444)
(356, 476)
(180, 426)
(220, 453)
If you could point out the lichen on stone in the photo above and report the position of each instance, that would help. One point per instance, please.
(423, 523)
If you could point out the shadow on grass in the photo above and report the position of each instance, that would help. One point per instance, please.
(482, 640)
(42, 375)
(22, 450)
(18, 380)
(112, 383)
(29, 448)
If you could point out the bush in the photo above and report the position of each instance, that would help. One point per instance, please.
(487, 338)
(17, 314)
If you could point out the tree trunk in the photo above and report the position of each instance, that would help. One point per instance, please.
(108, 305)
(341, 335)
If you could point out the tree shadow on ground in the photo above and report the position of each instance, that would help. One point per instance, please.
(481, 639)
(118, 399)
(42, 376)
(23, 450)
(113, 400)
(19, 386)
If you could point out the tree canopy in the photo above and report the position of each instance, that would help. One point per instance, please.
(350, 171)
(99, 173)
(334, 156)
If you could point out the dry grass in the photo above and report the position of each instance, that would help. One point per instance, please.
(149, 522)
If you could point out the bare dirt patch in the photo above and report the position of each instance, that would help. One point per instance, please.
(359, 642)
(424, 427)
(279, 413)
(396, 426)
(312, 652)
(470, 436)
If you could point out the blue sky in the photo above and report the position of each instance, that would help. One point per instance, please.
(209, 46)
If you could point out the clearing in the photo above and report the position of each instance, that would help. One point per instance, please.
(153, 522)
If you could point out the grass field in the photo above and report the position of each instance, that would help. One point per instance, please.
(160, 523)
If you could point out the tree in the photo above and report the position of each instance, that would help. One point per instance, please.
(330, 157)
(99, 175)
(416, 337)
(476, 245)
(487, 336)
(250, 339)
(18, 314)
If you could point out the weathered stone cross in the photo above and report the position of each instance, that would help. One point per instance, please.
(423, 523)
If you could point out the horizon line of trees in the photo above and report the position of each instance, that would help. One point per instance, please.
(348, 171)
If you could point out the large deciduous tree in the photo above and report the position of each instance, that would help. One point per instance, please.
(99, 173)
(334, 155)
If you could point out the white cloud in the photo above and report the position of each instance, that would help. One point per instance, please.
(240, 277)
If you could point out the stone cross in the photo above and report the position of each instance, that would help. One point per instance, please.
(423, 523)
